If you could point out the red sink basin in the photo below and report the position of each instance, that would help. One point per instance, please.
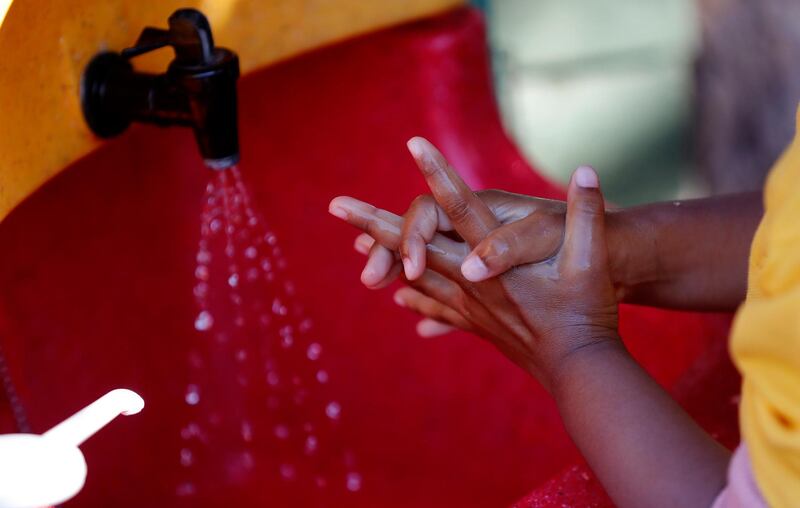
(96, 278)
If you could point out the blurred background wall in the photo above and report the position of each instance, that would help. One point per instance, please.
(666, 99)
(747, 89)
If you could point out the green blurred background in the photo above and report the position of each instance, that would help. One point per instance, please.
(600, 82)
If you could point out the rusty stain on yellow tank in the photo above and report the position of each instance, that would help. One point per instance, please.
(44, 47)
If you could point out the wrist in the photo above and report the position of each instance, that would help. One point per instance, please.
(578, 362)
(631, 250)
(569, 345)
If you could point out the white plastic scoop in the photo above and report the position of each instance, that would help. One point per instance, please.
(43, 470)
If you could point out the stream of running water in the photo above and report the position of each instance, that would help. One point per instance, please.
(257, 381)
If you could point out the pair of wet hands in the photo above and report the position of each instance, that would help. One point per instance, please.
(530, 275)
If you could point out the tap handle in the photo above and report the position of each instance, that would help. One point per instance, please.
(189, 34)
(191, 38)
(150, 39)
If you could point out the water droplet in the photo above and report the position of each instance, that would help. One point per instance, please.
(248, 460)
(252, 274)
(201, 290)
(313, 352)
(247, 431)
(279, 308)
(333, 410)
(289, 287)
(281, 431)
(353, 482)
(270, 238)
(322, 376)
(252, 221)
(210, 188)
(272, 378)
(305, 325)
(215, 225)
(201, 272)
(236, 298)
(282, 264)
(311, 444)
(192, 395)
(186, 457)
(190, 431)
(239, 321)
(307, 427)
(241, 355)
(204, 321)
(185, 489)
(203, 257)
(287, 471)
(250, 252)
(230, 251)
(266, 265)
(233, 280)
(287, 341)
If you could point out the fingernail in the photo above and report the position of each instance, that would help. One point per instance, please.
(363, 244)
(398, 299)
(428, 328)
(367, 276)
(337, 211)
(474, 269)
(415, 147)
(408, 266)
(586, 177)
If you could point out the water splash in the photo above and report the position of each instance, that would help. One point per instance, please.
(257, 385)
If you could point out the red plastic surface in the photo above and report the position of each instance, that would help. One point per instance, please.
(96, 277)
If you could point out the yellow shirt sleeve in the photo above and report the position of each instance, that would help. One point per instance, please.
(766, 339)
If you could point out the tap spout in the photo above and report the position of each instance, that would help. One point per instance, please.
(197, 90)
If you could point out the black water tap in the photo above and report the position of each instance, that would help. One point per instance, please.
(198, 89)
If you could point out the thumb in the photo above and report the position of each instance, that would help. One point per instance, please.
(529, 240)
(584, 234)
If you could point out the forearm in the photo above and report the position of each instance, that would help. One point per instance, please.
(685, 254)
(646, 451)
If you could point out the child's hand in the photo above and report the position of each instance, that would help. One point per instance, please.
(558, 320)
(537, 314)
(531, 230)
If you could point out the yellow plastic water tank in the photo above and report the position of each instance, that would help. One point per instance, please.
(44, 47)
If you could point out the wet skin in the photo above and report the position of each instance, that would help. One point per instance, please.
(662, 254)
(554, 315)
